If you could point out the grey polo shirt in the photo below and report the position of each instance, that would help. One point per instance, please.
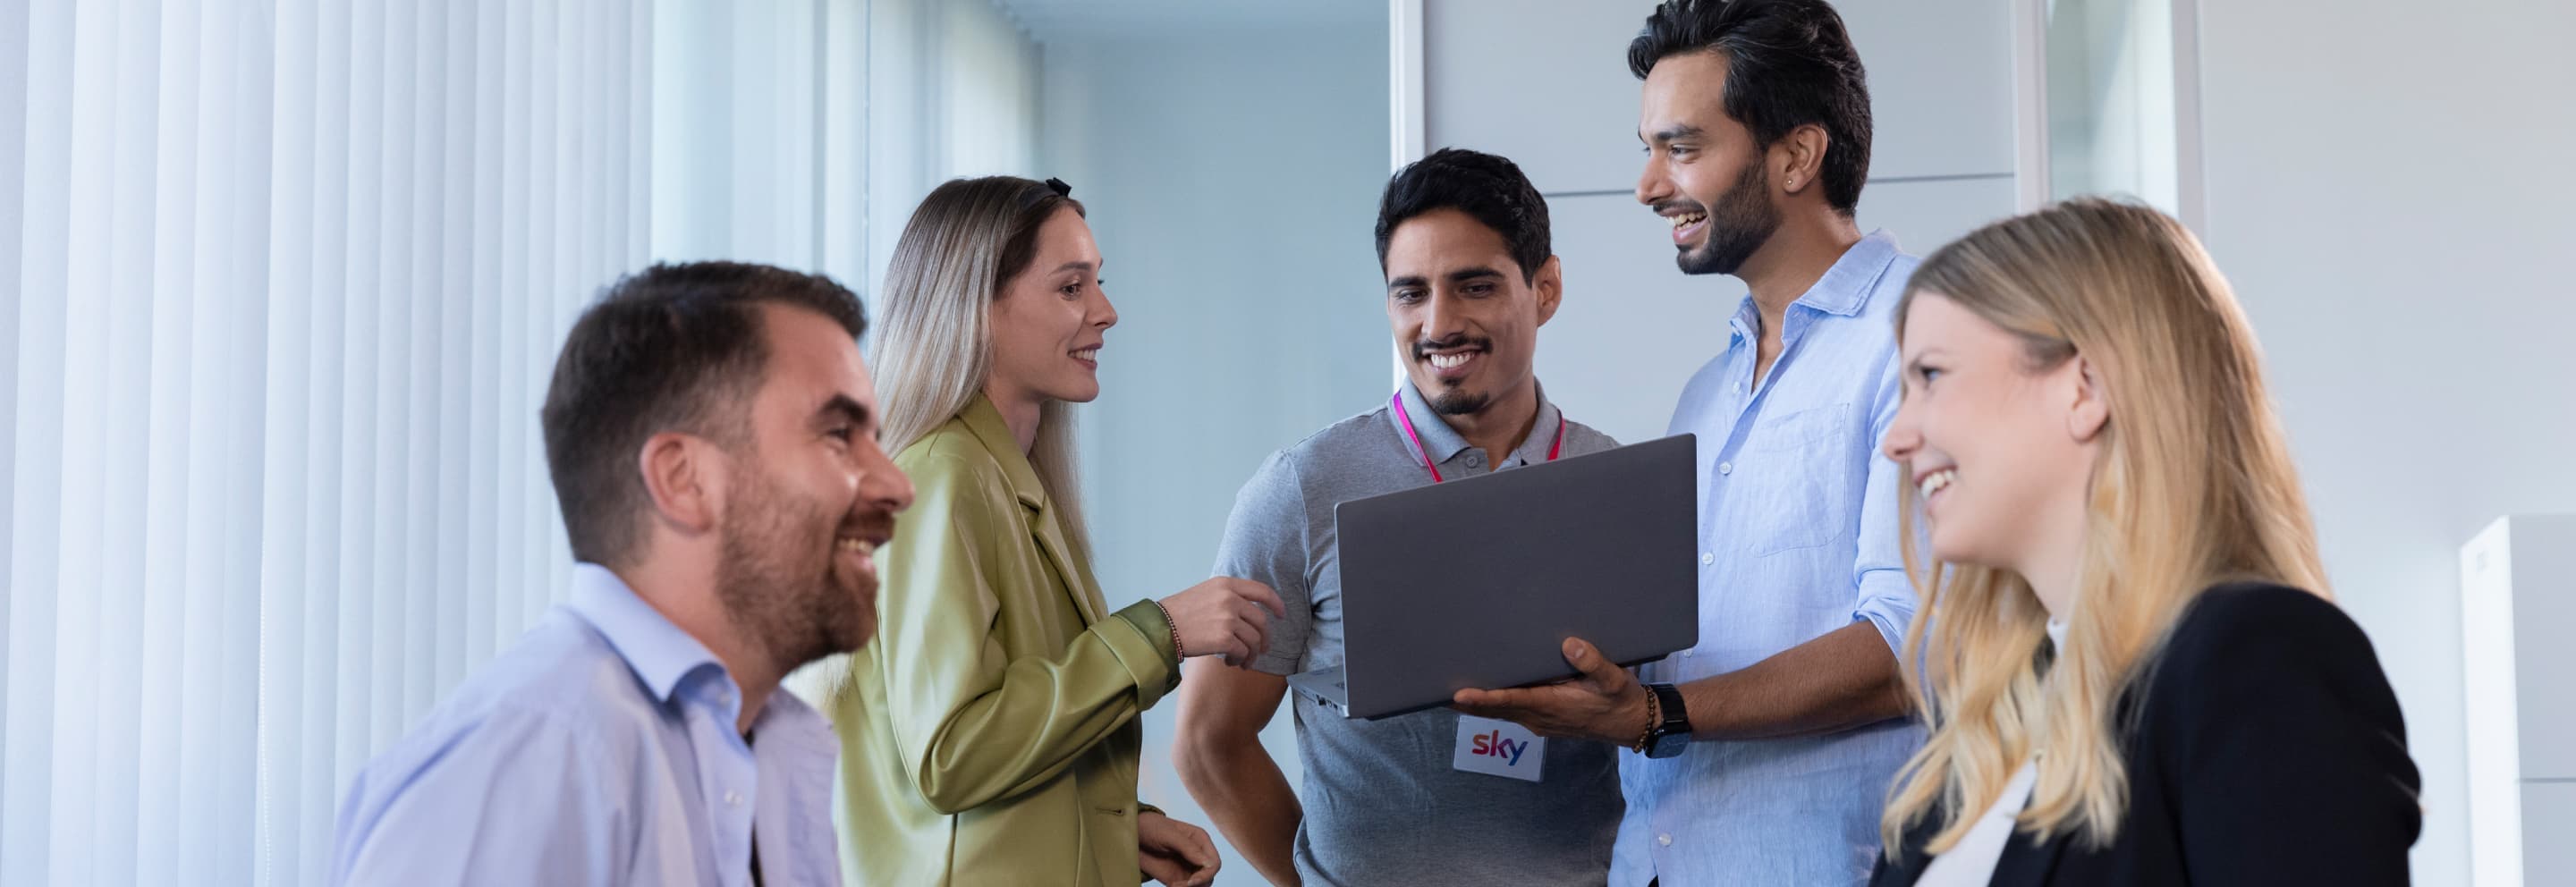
(1383, 805)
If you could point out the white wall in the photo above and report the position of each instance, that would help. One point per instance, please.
(1232, 181)
(2389, 188)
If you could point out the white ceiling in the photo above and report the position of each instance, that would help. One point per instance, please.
(1052, 20)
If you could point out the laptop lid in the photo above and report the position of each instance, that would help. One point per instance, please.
(1478, 581)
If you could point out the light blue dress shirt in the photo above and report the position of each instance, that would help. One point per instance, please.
(600, 750)
(1797, 521)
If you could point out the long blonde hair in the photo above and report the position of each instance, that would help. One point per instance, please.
(933, 345)
(2193, 486)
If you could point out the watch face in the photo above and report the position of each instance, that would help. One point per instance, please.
(1669, 745)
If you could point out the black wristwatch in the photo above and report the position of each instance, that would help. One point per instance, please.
(1672, 734)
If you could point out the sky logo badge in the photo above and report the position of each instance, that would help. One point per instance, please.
(1498, 748)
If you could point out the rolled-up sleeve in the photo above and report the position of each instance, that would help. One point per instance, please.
(1884, 595)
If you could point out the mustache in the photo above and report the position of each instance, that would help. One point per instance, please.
(871, 524)
(1422, 350)
(1660, 207)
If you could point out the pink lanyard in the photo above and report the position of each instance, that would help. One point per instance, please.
(1397, 402)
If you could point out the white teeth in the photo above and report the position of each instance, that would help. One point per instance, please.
(1450, 361)
(1092, 354)
(1938, 481)
(1687, 219)
(860, 547)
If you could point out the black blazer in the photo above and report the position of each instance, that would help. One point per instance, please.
(2267, 749)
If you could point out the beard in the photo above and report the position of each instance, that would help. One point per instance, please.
(775, 574)
(1460, 403)
(1740, 223)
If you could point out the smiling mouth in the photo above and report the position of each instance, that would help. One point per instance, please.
(1687, 226)
(1088, 355)
(1453, 366)
(1932, 484)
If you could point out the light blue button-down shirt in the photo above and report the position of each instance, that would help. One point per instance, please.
(1797, 521)
(600, 750)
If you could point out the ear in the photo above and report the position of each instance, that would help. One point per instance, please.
(2091, 409)
(1801, 155)
(1551, 289)
(684, 476)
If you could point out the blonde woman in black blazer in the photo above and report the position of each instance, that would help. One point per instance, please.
(2126, 652)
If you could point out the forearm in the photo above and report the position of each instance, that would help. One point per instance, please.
(1036, 718)
(1843, 679)
(1246, 795)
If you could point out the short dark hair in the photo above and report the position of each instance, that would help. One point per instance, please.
(1789, 63)
(672, 348)
(1487, 188)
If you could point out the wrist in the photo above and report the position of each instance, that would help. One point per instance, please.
(1671, 733)
(1650, 716)
(1179, 653)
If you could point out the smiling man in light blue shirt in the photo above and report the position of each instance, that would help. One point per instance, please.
(1762, 756)
(712, 439)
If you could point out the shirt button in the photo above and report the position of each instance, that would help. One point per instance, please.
(1706, 558)
(1726, 468)
(733, 799)
(1686, 654)
(1475, 461)
(1739, 388)
(1666, 840)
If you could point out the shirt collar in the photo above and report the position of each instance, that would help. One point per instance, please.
(1442, 443)
(1846, 287)
(660, 654)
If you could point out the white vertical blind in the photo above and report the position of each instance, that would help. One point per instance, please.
(284, 281)
(952, 91)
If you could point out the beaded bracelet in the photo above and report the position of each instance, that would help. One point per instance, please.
(1654, 718)
(1178, 653)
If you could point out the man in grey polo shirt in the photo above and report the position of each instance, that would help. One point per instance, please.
(1432, 797)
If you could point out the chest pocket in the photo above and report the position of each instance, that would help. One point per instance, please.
(1792, 481)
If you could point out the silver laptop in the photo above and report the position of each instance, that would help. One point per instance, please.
(1478, 582)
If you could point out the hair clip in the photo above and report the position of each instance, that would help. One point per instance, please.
(1061, 189)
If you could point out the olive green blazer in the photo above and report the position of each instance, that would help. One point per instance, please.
(989, 733)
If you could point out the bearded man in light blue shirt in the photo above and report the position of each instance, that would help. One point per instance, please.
(1763, 755)
(712, 437)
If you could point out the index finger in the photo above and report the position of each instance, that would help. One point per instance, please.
(1491, 699)
(1261, 594)
(1207, 860)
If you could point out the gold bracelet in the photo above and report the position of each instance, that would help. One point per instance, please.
(1178, 653)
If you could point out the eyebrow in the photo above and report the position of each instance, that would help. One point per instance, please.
(1078, 266)
(1682, 131)
(1461, 275)
(842, 407)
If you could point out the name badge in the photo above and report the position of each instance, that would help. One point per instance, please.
(1498, 748)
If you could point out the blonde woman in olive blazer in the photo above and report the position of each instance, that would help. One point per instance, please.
(989, 733)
